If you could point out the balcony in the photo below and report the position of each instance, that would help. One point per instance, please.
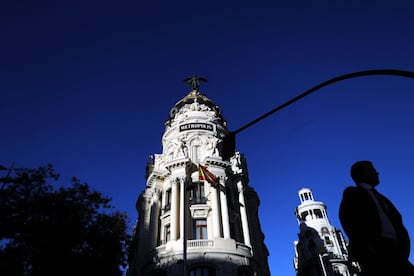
(227, 246)
(198, 200)
(200, 243)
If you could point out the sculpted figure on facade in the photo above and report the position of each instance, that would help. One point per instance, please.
(178, 148)
(184, 148)
(210, 146)
(203, 107)
(239, 164)
(181, 116)
(236, 163)
(195, 106)
(158, 160)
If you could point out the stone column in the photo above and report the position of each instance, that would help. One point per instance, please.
(163, 199)
(174, 210)
(215, 209)
(224, 210)
(145, 221)
(154, 221)
(181, 211)
(162, 232)
(243, 214)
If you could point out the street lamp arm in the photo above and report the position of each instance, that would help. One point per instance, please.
(392, 72)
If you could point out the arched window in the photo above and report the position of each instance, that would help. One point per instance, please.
(304, 215)
(167, 205)
(327, 240)
(325, 233)
(167, 233)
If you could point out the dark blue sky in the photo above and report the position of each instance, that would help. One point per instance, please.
(87, 85)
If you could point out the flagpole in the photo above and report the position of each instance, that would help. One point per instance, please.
(185, 226)
(188, 172)
(207, 176)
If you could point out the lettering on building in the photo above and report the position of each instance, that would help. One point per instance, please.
(192, 126)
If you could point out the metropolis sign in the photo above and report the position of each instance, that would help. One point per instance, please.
(192, 126)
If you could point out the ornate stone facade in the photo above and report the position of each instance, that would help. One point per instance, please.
(188, 223)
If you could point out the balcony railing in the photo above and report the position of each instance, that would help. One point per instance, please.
(200, 243)
(198, 200)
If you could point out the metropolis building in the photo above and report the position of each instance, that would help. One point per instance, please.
(321, 249)
(192, 219)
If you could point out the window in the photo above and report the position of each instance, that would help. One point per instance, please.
(202, 271)
(200, 229)
(318, 213)
(325, 230)
(167, 232)
(167, 206)
(159, 231)
(195, 153)
(304, 215)
(337, 271)
(197, 193)
(327, 240)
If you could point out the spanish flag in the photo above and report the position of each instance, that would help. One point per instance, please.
(204, 174)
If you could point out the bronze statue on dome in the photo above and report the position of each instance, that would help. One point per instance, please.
(194, 82)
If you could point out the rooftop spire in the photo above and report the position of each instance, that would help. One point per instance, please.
(194, 82)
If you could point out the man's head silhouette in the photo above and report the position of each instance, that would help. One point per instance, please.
(364, 172)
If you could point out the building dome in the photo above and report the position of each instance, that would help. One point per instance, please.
(195, 98)
(195, 129)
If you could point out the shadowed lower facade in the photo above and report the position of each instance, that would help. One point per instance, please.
(199, 219)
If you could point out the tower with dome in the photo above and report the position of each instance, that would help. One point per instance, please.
(197, 214)
(321, 249)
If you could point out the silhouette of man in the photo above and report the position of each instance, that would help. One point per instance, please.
(378, 240)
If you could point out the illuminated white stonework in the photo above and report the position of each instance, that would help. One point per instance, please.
(223, 232)
(321, 249)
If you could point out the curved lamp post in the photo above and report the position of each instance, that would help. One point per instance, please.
(229, 142)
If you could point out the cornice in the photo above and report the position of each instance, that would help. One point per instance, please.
(177, 163)
(216, 161)
(156, 175)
